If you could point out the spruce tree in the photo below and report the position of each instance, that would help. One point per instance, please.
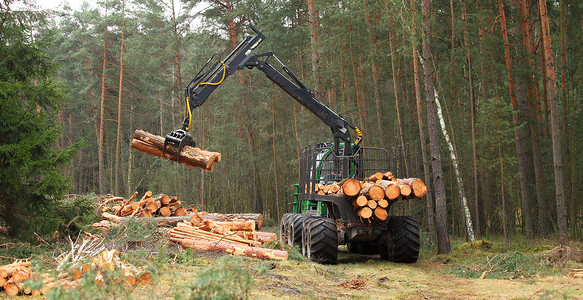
(30, 178)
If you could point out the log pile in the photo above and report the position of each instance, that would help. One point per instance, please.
(372, 197)
(148, 206)
(12, 277)
(232, 237)
(153, 144)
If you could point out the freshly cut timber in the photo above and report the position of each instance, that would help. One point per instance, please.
(192, 156)
(381, 213)
(373, 191)
(350, 188)
(392, 190)
(417, 185)
(238, 250)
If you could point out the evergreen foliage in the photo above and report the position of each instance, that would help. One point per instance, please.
(30, 176)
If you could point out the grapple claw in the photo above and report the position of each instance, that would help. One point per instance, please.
(179, 138)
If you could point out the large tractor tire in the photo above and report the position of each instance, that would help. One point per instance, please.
(305, 234)
(295, 229)
(284, 227)
(400, 241)
(321, 240)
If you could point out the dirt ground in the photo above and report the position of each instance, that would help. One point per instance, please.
(359, 276)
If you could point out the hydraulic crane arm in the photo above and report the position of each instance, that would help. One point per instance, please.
(200, 88)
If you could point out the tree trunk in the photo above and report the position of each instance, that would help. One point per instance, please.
(119, 121)
(397, 106)
(375, 76)
(423, 139)
(443, 244)
(556, 133)
(466, 210)
(100, 158)
(472, 119)
(275, 157)
(313, 17)
(531, 84)
(520, 151)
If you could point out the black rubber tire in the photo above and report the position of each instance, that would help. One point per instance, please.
(322, 241)
(295, 229)
(305, 234)
(400, 242)
(283, 227)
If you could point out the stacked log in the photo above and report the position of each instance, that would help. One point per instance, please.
(154, 144)
(12, 276)
(233, 237)
(372, 197)
(148, 206)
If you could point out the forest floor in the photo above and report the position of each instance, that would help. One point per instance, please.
(481, 270)
(506, 275)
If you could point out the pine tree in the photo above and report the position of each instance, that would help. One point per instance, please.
(30, 178)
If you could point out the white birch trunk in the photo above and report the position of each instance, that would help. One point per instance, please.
(460, 183)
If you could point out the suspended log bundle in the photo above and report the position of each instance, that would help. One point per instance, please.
(372, 197)
(233, 237)
(154, 144)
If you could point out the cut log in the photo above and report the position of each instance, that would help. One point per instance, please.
(165, 211)
(12, 288)
(117, 213)
(145, 214)
(417, 186)
(387, 175)
(376, 176)
(350, 188)
(238, 226)
(258, 218)
(153, 144)
(392, 190)
(334, 188)
(372, 204)
(165, 200)
(373, 191)
(381, 213)
(181, 211)
(383, 203)
(364, 212)
(405, 190)
(261, 253)
(266, 237)
(360, 201)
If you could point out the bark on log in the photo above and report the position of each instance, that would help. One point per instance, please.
(261, 253)
(392, 190)
(258, 218)
(417, 186)
(153, 144)
(373, 191)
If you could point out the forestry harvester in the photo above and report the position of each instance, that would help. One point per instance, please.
(319, 222)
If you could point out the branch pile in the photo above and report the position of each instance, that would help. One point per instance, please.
(106, 265)
(234, 237)
(153, 144)
(372, 197)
